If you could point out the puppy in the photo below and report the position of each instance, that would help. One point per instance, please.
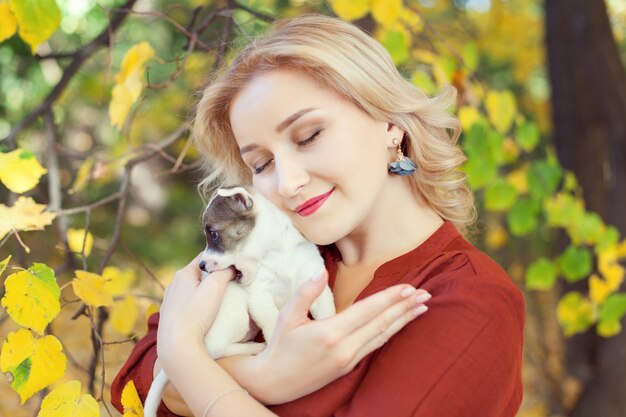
(272, 260)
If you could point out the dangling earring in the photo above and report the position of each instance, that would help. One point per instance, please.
(403, 165)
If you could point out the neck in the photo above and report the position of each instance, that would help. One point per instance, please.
(401, 221)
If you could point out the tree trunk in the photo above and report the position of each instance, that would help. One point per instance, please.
(589, 114)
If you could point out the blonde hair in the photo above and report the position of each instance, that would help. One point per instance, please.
(343, 58)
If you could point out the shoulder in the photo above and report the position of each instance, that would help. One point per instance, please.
(468, 284)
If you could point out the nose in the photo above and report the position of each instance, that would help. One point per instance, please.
(203, 266)
(291, 175)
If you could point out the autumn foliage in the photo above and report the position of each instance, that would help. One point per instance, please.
(86, 281)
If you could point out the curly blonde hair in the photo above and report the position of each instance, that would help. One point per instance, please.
(346, 60)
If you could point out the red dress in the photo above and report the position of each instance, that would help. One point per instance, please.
(461, 358)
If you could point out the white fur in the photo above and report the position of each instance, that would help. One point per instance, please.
(274, 260)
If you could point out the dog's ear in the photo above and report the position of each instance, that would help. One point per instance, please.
(238, 198)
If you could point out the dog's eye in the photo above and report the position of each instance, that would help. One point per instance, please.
(213, 235)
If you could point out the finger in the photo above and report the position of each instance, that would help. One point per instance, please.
(297, 309)
(367, 310)
(218, 278)
(376, 333)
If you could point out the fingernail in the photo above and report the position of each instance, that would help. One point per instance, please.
(319, 274)
(406, 292)
(422, 298)
(419, 310)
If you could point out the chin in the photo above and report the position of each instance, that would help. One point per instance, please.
(322, 236)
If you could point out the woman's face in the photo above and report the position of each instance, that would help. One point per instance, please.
(313, 154)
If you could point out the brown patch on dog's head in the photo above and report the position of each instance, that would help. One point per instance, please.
(228, 219)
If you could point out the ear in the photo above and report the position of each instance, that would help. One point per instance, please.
(240, 200)
(394, 133)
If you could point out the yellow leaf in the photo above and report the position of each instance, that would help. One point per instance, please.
(3, 264)
(609, 328)
(599, 289)
(36, 20)
(574, 313)
(32, 297)
(350, 9)
(90, 288)
(152, 308)
(82, 177)
(496, 237)
(65, 400)
(621, 249)
(8, 24)
(411, 19)
(34, 363)
(123, 315)
(117, 281)
(128, 82)
(24, 215)
(75, 238)
(20, 171)
(131, 401)
(519, 179)
(468, 116)
(386, 12)
(511, 150)
(501, 109)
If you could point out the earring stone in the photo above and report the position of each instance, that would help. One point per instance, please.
(402, 166)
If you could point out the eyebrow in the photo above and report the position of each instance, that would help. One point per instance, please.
(282, 126)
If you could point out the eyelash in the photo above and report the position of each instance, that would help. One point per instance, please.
(302, 144)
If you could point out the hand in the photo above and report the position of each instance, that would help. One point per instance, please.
(304, 355)
(189, 307)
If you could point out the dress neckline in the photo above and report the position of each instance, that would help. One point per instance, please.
(399, 265)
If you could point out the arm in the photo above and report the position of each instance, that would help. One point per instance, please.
(302, 356)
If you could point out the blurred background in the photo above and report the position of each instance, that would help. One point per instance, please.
(96, 99)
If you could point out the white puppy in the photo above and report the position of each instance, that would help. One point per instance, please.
(272, 259)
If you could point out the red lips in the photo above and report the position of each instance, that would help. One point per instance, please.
(311, 206)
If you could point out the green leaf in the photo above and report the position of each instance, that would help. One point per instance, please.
(541, 274)
(522, 219)
(424, 82)
(32, 297)
(448, 65)
(527, 136)
(397, 45)
(609, 237)
(570, 183)
(611, 313)
(563, 210)
(484, 143)
(37, 20)
(575, 263)
(500, 196)
(588, 229)
(543, 179)
(470, 56)
(479, 172)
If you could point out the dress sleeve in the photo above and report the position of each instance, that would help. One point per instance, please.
(139, 368)
(462, 358)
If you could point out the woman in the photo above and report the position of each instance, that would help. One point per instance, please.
(316, 116)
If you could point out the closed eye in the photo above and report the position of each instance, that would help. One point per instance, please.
(309, 140)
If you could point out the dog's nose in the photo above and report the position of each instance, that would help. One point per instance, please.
(203, 266)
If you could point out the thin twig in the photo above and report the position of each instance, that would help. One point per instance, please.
(264, 17)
